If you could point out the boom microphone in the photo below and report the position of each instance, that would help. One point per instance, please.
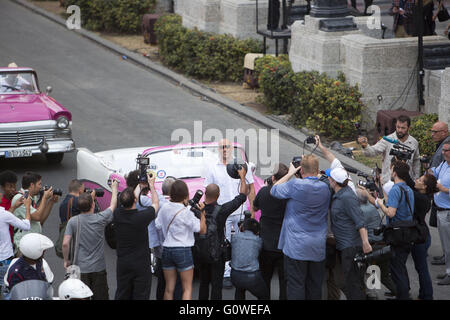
(391, 140)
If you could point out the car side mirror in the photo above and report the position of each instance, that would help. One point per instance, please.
(48, 90)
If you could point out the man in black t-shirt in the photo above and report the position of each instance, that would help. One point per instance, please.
(272, 214)
(133, 258)
(213, 272)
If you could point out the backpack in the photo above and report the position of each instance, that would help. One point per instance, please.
(207, 246)
(62, 230)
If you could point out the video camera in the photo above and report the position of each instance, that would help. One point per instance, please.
(57, 192)
(363, 259)
(399, 150)
(99, 192)
(194, 202)
(232, 168)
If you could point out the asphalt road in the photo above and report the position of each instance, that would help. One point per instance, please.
(115, 104)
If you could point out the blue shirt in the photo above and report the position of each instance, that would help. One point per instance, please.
(442, 173)
(346, 219)
(155, 238)
(304, 230)
(245, 248)
(398, 201)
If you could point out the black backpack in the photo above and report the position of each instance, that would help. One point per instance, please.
(207, 246)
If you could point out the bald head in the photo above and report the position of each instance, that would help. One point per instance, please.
(212, 193)
(439, 131)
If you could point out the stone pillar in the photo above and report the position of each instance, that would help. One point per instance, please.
(432, 94)
(444, 102)
(238, 17)
(201, 14)
(315, 49)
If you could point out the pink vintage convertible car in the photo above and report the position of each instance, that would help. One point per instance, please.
(31, 122)
(187, 162)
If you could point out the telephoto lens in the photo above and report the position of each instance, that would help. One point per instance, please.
(296, 161)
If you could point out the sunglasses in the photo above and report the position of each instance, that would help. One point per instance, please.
(227, 146)
(445, 150)
(435, 131)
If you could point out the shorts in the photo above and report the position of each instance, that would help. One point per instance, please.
(179, 258)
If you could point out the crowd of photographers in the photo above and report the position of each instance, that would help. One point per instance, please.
(317, 229)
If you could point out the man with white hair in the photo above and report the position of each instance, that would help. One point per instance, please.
(350, 232)
(13, 81)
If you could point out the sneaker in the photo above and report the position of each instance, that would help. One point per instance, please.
(445, 281)
(439, 257)
(227, 283)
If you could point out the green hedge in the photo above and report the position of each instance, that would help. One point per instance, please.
(200, 54)
(420, 129)
(328, 106)
(113, 15)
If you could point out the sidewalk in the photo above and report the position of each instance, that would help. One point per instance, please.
(206, 93)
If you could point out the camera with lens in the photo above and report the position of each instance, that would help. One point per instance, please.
(194, 202)
(362, 259)
(369, 184)
(56, 192)
(380, 230)
(233, 167)
(297, 161)
(402, 153)
(311, 140)
(143, 163)
(99, 192)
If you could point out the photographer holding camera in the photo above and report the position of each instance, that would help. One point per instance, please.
(134, 273)
(385, 148)
(272, 215)
(178, 224)
(350, 232)
(211, 259)
(245, 274)
(31, 187)
(304, 230)
(399, 207)
(88, 229)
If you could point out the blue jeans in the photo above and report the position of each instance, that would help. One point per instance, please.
(3, 270)
(398, 270)
(179, 258)
(419, 253)
(251, 281)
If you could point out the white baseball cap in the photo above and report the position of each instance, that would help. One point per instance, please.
(339, 175)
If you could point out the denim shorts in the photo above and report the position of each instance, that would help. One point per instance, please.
(179, 258)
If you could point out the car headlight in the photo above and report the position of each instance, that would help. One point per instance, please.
(62, 122)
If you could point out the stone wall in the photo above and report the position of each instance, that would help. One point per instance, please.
(444, 102)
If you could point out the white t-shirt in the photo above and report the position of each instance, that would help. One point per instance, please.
(337, 164)
(48, 272)
(181, 231)
(229, 187)
(7, 219)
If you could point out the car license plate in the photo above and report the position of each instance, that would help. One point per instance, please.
(18, 153)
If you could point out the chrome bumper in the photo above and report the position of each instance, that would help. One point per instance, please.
(54, 146)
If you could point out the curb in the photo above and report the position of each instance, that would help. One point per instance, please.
(286, 132)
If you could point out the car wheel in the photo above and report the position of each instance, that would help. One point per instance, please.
(54, 158)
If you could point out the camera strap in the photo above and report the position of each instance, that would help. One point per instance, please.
(167, 231)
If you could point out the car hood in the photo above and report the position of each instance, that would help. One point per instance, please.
(27, 107)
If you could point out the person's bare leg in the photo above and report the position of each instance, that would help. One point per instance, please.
(171, 278)
(186, 283)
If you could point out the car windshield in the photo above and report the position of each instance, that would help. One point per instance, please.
(189, 162)
(17, 82)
